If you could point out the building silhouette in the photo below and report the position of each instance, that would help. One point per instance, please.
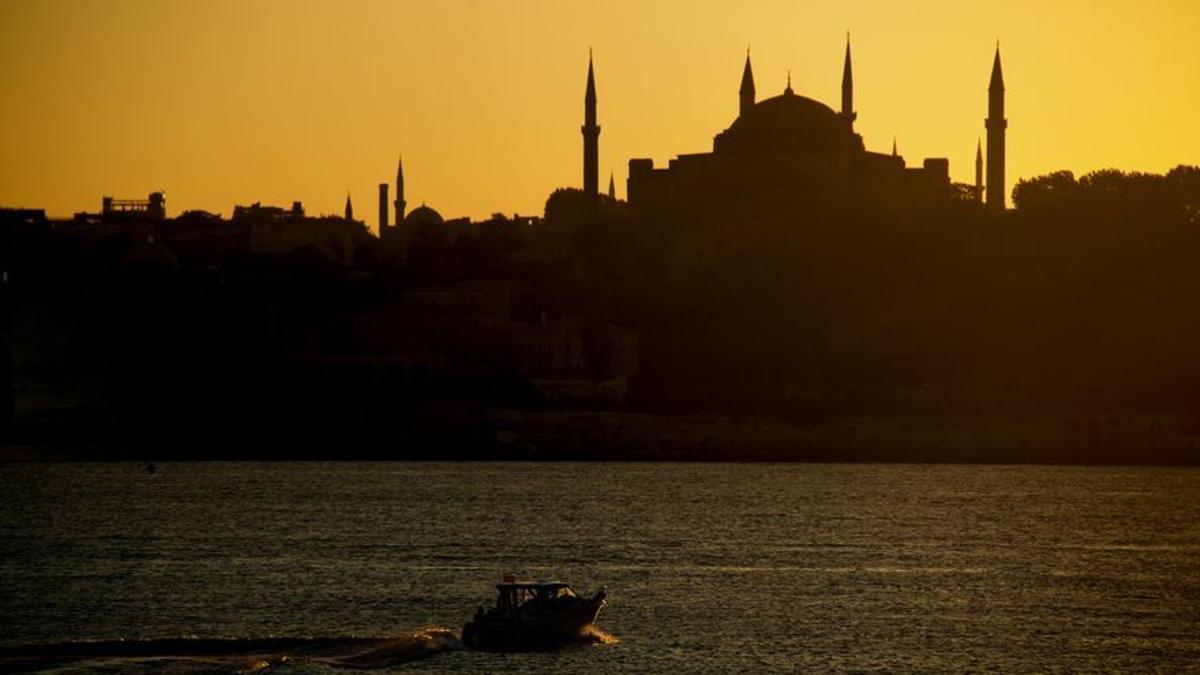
(421, 216)
(278, 230)
(746, 91)
(978, 170)
(400, 203)
(786, 156)
(847, 87)
(995, 124)
(152, 208)
(405, 222)
(383, 209)
(591, 138)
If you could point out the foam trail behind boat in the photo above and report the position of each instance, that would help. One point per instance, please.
(243, 655)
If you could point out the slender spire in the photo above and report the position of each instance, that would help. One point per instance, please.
(789, 84)
(997, 83)
(612, 186)
(894, 153)
(978, 169)
(996, 125)
(747, 77)
(591, 137)
(590, 94)
(848, 84)
(349, 207)
(746, 92)
(400, 204)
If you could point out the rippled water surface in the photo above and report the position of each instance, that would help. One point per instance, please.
(709, 567)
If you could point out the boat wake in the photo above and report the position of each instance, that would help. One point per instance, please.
(597, 636)
(252, 655)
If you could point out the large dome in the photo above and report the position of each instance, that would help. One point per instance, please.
(785, 124)
(423, 215)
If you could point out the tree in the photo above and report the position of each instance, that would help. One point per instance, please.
(571, 206)
(1052, 193)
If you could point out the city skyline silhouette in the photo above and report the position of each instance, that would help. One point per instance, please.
(773, 337)
(790, 267)
(489, 126)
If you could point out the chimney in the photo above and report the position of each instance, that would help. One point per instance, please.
(383, 208)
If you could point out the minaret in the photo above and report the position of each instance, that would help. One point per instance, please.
(995, 124)
(746, 92)
(612, 187)
(848, 87)
(591, 137)
(349, 207)
(978, 170)
(894, 153)
(383, 209)
(399, 203)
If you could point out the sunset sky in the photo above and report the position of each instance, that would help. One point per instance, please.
(222, 102)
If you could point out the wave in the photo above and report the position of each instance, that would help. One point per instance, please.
(239, 654)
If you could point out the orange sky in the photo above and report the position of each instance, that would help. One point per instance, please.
(222, 102)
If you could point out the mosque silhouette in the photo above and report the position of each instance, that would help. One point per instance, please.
(784, 157)
(790, 155)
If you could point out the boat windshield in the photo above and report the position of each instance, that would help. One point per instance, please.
(517, 597)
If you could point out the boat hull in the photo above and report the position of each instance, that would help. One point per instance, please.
(536, 633)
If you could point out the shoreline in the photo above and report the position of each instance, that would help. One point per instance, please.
(513, 435)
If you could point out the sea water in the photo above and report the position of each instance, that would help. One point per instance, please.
(332, 567)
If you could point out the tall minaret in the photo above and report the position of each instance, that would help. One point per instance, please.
(399, 203)
(978, 170)
(746, 92)
(383, 209)
(848, 87)
(591, 137)
(349, 207)
(996, 124)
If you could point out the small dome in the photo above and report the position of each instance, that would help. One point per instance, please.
(423, 215)
(781, 125)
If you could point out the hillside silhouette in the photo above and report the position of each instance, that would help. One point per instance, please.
(1078, 301)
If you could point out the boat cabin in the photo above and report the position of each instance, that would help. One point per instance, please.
(532, 597)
